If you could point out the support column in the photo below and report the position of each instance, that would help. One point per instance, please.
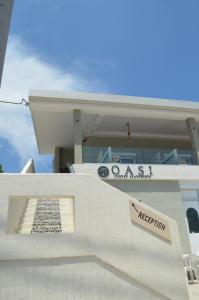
(191, 125)
(77, 125)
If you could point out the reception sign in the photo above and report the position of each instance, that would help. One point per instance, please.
(149, 220)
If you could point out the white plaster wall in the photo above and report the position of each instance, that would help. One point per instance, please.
(67, 279)
(102, 229)
(194, 240)
(165, 196)
(190, 188)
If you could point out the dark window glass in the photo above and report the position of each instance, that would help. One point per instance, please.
(193, 220)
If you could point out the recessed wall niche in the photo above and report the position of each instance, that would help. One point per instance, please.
(46, 214)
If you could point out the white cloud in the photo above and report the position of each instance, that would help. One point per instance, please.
(24, 70)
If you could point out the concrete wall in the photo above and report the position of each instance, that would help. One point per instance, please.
(103, 230)
(165, 196)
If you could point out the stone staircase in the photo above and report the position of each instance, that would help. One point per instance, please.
(48, 215)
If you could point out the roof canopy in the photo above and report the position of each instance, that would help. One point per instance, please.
(106, 115)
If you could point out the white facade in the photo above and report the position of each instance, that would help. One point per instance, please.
(98, 231)
(104, 244)
(161, 134)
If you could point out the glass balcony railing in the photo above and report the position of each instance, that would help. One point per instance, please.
(137, 155)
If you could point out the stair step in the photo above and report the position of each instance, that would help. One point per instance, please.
(32, 200)
(27, 221)
(67, 220)
(30, 217)
(26, 224)
(31, 206)
(26, 227)
(66, 213)
(67, 229)
(30, 211)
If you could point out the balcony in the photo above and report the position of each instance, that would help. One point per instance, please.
(138, 156)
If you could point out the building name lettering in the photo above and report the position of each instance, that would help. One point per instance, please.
(125, 172)
(132, 172)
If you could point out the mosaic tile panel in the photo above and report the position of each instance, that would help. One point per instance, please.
(47, 216)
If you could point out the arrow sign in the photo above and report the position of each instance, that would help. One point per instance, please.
(134, 207)
(150, 220)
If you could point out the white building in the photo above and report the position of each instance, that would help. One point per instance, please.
(120, 209)
(153, 137)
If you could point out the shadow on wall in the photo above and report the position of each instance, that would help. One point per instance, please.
(79, 274)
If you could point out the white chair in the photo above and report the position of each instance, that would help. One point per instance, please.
(191, 268)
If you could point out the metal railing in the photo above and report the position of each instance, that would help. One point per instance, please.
(138, 155)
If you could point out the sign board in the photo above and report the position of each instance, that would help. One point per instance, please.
(118, 171)
(149, 220)
(133, 172)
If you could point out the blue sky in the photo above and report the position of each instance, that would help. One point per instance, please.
(132, 47)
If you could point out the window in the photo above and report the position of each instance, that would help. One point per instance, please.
(193, 220)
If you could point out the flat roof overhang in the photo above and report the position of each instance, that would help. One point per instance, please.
(106, 115)
(5, 16)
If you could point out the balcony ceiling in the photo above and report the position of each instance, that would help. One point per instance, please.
(106, 115)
